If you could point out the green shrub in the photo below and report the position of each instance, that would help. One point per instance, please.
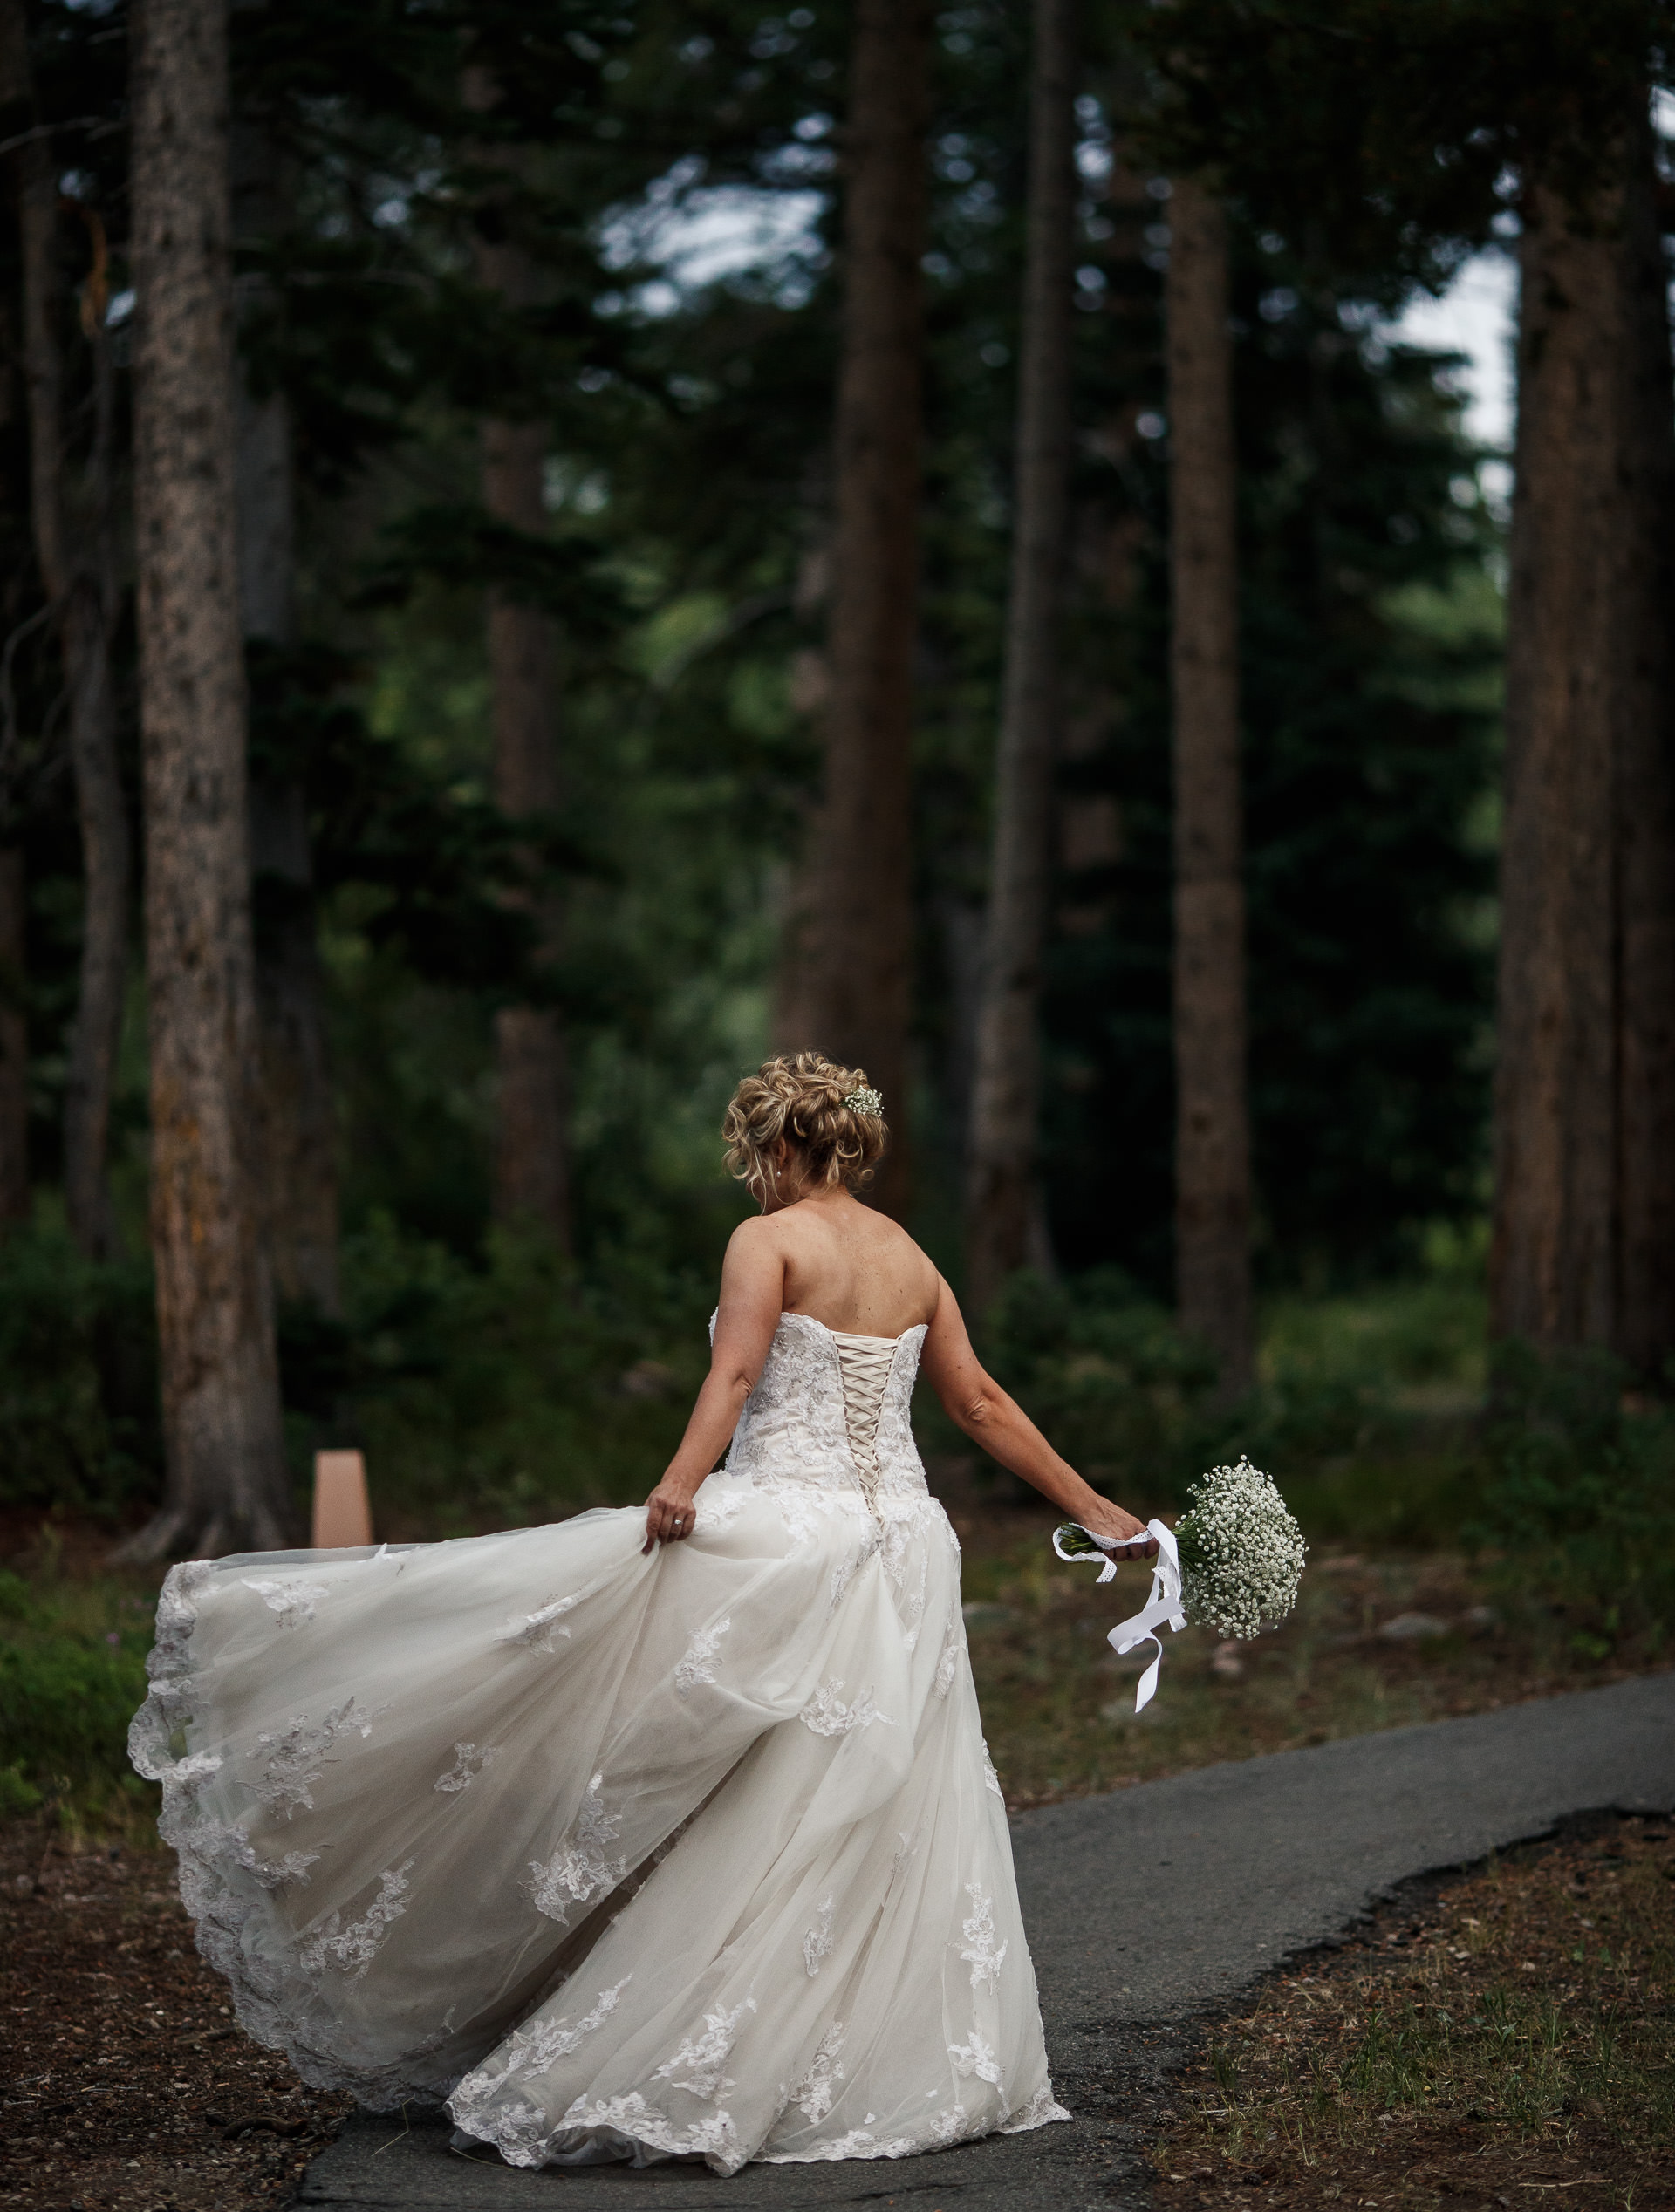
(1578, 1494)
(65, 1703)
(1364, 1412)
(16, 1794)
(507, 1391)
(78, 1419)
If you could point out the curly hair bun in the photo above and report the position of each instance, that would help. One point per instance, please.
(819, 1108)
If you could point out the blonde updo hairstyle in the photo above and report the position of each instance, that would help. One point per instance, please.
(799, 1097)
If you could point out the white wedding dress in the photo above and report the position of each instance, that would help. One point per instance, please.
(622, 1856)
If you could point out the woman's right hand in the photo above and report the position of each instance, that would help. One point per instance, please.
(1128, 1536)
(670, 1515)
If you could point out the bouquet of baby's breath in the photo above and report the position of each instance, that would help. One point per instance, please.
(1241, 1552)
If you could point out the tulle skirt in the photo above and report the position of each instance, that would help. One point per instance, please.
(623, 1856)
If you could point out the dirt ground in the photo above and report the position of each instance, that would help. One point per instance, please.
(127, 2088)
(1505, 2041)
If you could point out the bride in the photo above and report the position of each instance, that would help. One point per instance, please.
(661, 1831)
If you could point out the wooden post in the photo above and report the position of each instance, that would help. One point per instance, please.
(343, 1519)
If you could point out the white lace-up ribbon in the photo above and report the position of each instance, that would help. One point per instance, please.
(1164, 1604)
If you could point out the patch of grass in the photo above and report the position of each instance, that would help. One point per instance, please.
(1518, 2034)
(71, 1675)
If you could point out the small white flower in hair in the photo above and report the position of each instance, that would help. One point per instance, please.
(864, 1101)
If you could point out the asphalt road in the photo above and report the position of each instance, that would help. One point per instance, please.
(1143, 1910)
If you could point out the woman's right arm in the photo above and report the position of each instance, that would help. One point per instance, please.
(753, 1279)
(975, 1403)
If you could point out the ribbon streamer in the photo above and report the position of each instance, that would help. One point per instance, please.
(1164, 1604)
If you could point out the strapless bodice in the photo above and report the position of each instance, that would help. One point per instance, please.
(833, 1411)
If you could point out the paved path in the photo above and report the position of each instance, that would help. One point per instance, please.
(1143, 1910)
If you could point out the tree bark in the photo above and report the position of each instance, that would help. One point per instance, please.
(1584, 1211)
(1003, 1198)
(1211, 1122)
(14, 1044)
(298, 1179)
(531, 1152)
(859, 943)
(75, 551)
(1645, 786)
(531, 1138)
(227, 1486)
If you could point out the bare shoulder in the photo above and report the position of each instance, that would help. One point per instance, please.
(755, 1233)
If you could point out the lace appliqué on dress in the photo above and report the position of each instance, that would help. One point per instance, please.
(294, 1602)
(579, 1870)
(469, 1759)
(813, 2094)
(980, 1953)
(531, 2049)
(1040, 2108)
(712, 2135)
(816, 1940)
(295, 1757)
(827, 1715)
(706, 2054)
(719, 1506)
(947, 1665)
(695, 1667)
(975, 2058)
(356, 1943)
(541, 1630)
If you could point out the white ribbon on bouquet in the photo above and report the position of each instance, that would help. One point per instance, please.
(1164, 1604)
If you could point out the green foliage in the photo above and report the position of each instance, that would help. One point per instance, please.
(71, 1676)
(77, 1376)
(1579, 1495)
(493, 1394)
(1128, 1400)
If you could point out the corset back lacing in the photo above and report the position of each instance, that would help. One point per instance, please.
(865, 1363)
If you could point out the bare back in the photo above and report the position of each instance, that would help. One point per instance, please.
(854, 1270)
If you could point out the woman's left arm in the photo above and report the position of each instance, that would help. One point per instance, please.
(975, 1403)
(752, 1288)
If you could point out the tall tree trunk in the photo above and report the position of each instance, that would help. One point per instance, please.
(298, 1179)
(76, 552)
(531, 1138)
(1584, 1213)
(859, 943)
(1003, 1194)
(1645, 786)
(226, 1485)
(531, 1152)
(1212, 1120)
(14, 1044)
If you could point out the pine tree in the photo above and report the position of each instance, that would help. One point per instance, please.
(297, 1170)
(1212, 1124)
(226, 1485)
(532, 1142)
(1585, 1079)
(1004, 1214)
(858, 954)
(73, 512)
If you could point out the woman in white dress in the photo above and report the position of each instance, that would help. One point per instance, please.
(662, 1831)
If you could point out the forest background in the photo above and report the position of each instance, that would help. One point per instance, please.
(594, 746)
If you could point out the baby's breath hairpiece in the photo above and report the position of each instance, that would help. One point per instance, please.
(864, 1101)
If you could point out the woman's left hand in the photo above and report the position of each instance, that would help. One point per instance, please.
(1120, 1529)
(670, 1515)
